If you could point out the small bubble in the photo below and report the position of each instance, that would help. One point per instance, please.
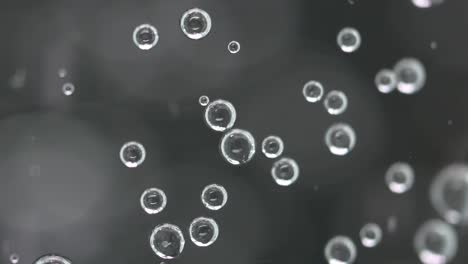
(386, 81)
(349, 39)
(214, 197)
(153, 200)
(399, 177)
(340, 139)
(203, 231)
(434, 45)
(426, 3)
(371, 235)
(167, 241)
(272, 147)
(68, 89)
(335, 102)
(14, 258)
(340, 250)
(204, 100)
(145, 36)
(195, 23)
(62, 73)
(313, 91)
(234, 47)
(220, 115)
(435, 242)
(52, 259)
(285, 171)
(18, 80)
(237, 146)
(132, 154)
(411, 75)
(392, 223)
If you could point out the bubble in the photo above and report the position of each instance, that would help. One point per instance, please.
(399, 177)
(153, 200)
(435, 242)
(371, 235)
(52, 259)
(285, 171)
(62, 72)
(234, 47)
(340, 250)
(14, 258)
(411, 75)
(313, 91)
(167, 241)
(449, 193)
(204, 100)
(195, 23)
(214, 196)
(237, 146)
(427, 3)
(335, 102)
(272, 147)
(145, 36)
(340, 139)
(386, 81)
(220, 115)
(203, 231)
(68, 89)
(132, 154)
(349, 39)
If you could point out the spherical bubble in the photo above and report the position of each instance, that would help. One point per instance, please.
(386, 81)
(132, 154)
(371, 235)
(145, 36)
(411, 75)
(14, 258)
(340, 250)
(68, 89)
(195, 23)
(204, 100)
(349, 39)
(272, 147)
(435, 242)
(52, 259)
(399, 177)
(234, 47)
(237, 146)
(214, 196)
(203, 231)
(167, 241)
(153, 200)
(335, 102)
(285, 171)
(427, 3)
(449, 193)
(340, 139)
(313, 91)
(220, 115)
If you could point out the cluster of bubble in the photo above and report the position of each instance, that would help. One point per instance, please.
(407, 77)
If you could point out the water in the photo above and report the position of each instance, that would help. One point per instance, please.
(371, 235)
(335, 102)
(145, 36)
(237, 146)
(340, 139)
(386, 81)
(285, 171)
(153, 200)
(272, 147)
(234, 47)
(411, 75)
(167, 241)
(132, 154)
(435, 242)
(220, 115)
(204, 100)
(14, 258)
(214, 196)
(203, 231)
(68, 89)
(195, 23)
(340, 250)
(349, 39)
(427, 3)
(52, 259)
(313, 91)
(399, 177)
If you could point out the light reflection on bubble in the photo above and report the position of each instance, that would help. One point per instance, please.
(435, 242)
(427, 3)
(68, 89)
(386, 81)
(14, 258)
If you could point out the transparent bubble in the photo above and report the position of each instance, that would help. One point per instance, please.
(285, 171)
(214, 196)
(68, 89)
(234, 47)
(220, 115)
(52, 259)
(371, 235)
(132, 154)
(449, 193)
(153, 200)
(145, 36)
(340, 139)
(203, 231)
(167, 241)
(399, 177)
(313, 91)
(435, 242)
(340, 250)
(14, 258)
(237, 146)
(386, 81)
(349, 39)
(272, 147)
(204, 100)
(411, 75)
(335, 102)
(427, 3)
(195, 23)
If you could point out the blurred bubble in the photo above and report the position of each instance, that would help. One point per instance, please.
(220, 115)
(203, 231)
(435, 242)
(145, 36)
(340, 250)
(132, 154)
(434, 45)
(153, 200)
(214, 196)
(313, 91)
(167, 241)
(52, 259)
(272, 147)
(426, 3)
(411, 75)
(195, 23)
(62, 73)
(386, 81)
(371, 235)
(18, 80)
(399, 177)
(68, 89)
(285, 171)
(204, 100)
(237, 146)
(392, 224)
(349, 39)
(14, 258)
(335, 102)
(340, 139)
(234, 47)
